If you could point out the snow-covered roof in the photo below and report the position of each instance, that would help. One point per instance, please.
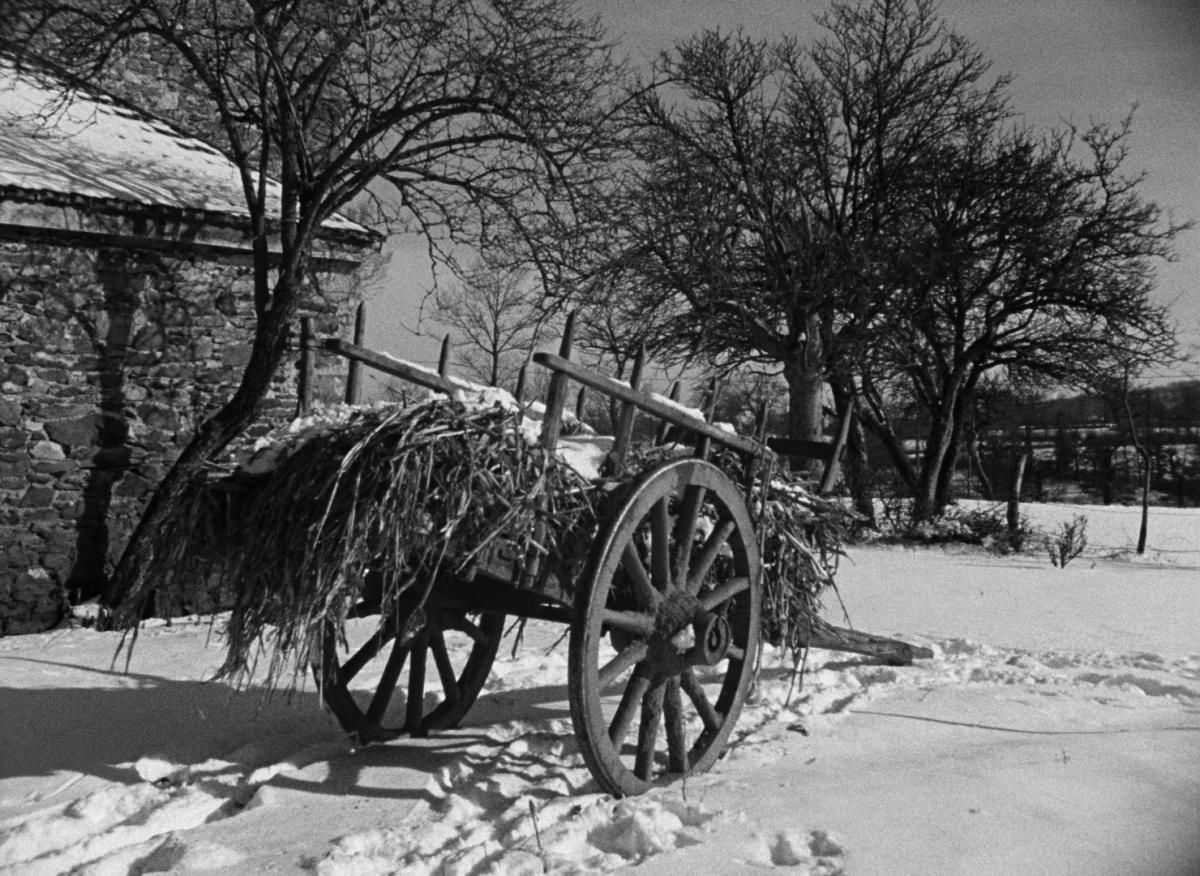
(93, 154)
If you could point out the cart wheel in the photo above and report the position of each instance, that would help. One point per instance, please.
(673, 580)
(453, 679)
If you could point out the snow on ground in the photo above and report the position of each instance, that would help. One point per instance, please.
(1056, 730)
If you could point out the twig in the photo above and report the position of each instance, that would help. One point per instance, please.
(537, 835)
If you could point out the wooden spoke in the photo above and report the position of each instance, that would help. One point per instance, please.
(635, 623)
(647, 596)
(414, 709)
(387, 684)
(685, 528)
(631, 654)
(631, 698)
(660, 546)
(445, 669)
(708, 554)
(462, 670)
(673, 720)
(708, 715)
(735, 652)
(462, 624)
(364, 655)
(652, 707)
(724, 592)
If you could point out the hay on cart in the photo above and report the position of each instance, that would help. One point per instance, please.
(411, 494)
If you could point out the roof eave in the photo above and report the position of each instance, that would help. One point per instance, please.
(81, 221)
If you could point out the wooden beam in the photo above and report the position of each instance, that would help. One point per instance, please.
(648, 403)
(412, 374)
(798, 448)
(890, 651)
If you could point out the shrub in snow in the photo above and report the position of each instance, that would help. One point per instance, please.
(987, 527)
(1068, 542)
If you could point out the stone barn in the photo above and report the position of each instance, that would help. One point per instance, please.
(125, 316)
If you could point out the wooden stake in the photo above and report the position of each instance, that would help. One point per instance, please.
(354, 373)
(522, 378)
(444, 356)
(556, 398)
(843, 435)
(556, 395)
(624, 431)
(660, 436)
(710, 407)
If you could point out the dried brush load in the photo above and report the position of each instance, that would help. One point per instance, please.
(408, 493)
(400, 498)
(802, 538)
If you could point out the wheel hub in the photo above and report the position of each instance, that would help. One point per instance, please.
(684, 630)
(713, 638)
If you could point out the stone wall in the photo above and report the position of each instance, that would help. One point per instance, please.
(108, 358)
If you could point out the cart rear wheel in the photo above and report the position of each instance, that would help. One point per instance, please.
(441, 665)
(666, 628)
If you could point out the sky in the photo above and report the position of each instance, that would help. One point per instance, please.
(1072, 61)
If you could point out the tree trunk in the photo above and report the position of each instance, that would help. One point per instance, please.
(804, 401)
(130, 592)
(985, 483)
(941, 454)
(882, 429)
(1146, 472)
(945, 481)
(856, 466)
(1144, 457)
(925, 498)
(1014, 500)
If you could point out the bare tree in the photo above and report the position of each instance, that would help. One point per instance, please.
(767, 203)
(1036, 263)
(445, 117)
(493, 312)
(864, 212)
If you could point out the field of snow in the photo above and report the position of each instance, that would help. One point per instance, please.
(1056, 730)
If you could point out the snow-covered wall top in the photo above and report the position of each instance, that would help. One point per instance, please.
(89, 147)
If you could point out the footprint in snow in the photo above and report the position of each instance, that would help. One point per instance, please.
(815, 853)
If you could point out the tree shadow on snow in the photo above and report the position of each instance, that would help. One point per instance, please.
(93, 729)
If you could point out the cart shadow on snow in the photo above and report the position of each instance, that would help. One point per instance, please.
(189, 722)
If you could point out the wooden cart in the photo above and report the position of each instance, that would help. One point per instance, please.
(664, 616)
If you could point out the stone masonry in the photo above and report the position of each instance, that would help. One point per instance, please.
(108, 359)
